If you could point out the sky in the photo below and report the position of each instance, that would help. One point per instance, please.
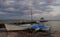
(21, 9)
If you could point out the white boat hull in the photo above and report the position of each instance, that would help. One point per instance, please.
(13, 27)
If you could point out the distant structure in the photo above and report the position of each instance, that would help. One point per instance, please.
(42, 19)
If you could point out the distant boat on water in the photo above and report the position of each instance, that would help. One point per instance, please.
(44, 21)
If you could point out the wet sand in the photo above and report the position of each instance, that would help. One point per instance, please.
(57, 34)
(27, 34)
(23, 34)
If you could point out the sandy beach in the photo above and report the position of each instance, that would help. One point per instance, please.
(26, 34)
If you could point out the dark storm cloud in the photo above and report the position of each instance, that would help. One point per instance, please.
(22, 8)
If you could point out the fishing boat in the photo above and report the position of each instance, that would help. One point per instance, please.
(43, 21)
(2, 27)
(41, 27)
(12, 27)
(34, 27)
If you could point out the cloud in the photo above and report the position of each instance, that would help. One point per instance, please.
(19, 9)
(3, 13)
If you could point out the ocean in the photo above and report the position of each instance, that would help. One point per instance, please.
(55, 25)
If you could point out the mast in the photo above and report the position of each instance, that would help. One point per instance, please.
(31, 16)
(31, 11)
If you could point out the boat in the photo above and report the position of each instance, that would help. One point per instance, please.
(34, 27)
(2, 27)
(11, 27)
(43, 21)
